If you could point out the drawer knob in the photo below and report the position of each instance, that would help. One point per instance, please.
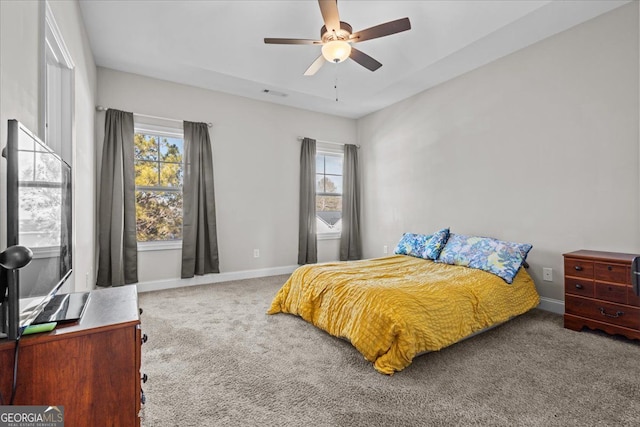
(578, 268)
(579, 286)
(609, 268)
(144, 378)
(144, 338)
(604, 313)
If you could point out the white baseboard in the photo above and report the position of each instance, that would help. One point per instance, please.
(157, 285)
(552, 305)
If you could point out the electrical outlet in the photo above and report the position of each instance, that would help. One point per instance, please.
(385, 249)
(256, 253)
(547, 274)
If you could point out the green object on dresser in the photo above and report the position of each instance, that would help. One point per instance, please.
(36, 329)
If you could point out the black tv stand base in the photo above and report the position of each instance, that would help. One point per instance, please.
(64, 308)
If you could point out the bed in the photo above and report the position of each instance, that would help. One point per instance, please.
(394, 308)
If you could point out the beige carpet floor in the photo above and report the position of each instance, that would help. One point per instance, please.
(214, 358)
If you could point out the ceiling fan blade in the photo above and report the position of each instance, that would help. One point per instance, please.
(291, 41)
(313, 68)
(381, 30)
(329, 10)
(365, 60)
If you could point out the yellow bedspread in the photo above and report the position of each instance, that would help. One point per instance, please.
(393, 308)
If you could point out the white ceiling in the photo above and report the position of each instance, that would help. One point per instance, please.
(219, 45)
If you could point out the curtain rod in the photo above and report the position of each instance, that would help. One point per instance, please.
(101, 108)
(300, 138)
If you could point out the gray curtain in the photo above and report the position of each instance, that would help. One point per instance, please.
(199, 235)
(350, 241)
(307, 244)
(118, 257)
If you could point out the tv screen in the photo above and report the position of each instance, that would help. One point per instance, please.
(38, 217)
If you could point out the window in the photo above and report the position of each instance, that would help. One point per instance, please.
(158, 178)
(328, 193)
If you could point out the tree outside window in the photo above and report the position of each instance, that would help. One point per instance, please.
(158, 178)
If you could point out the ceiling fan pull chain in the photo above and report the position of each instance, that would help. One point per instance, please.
(335, 83)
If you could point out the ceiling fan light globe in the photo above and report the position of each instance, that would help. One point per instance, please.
(336, 50)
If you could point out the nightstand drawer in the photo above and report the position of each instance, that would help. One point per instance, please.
(612, 273)
(579, 287)
(616, 314)
(613, 293)
(578, 268)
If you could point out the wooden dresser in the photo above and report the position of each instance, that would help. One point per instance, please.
(598, 293)
(91, 367)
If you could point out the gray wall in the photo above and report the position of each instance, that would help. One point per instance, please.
(256, 168)
(540, 146)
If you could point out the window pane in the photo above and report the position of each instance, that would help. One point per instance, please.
(322, 227)
(330, 183)
(329, 204)
(145, 147)
(320, 183)
(171, 174)
(171, 149)
(319, 163)
(328, 212)
(328, 193)
(146, 173)
(333, 165)
(158, 215)
(158, 163)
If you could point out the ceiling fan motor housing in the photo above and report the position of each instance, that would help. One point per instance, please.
(343, 33)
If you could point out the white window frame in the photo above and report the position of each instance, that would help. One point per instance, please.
(57, 89)
(170, 131)
(333, 150)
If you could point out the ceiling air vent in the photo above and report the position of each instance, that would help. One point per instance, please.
(274, 93)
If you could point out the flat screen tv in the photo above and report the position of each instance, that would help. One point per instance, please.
(38, 217)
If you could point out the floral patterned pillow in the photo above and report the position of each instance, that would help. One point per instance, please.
(435, 245)
(412, 244)
(501, 258)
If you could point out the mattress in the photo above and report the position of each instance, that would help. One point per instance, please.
(391, 309)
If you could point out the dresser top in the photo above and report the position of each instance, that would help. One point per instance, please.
(107, 308)
(601, 255)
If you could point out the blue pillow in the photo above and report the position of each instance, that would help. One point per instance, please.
(498, 257)
(435, 245)
(412, 244)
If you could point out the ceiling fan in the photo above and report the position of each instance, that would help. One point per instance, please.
(336, 38)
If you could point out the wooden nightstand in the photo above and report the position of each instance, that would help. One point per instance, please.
(598, 293)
